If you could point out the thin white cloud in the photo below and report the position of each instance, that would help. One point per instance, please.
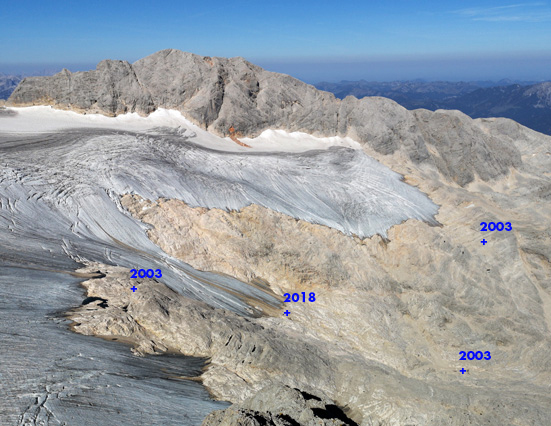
(489, 10)
(539, 17)
(519, 12)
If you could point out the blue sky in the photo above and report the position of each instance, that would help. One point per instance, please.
(312, 40)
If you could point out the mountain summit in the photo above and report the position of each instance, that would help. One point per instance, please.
(220, 93)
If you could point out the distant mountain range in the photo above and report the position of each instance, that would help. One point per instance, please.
(8, 83)
(219, 94)
(528, 103)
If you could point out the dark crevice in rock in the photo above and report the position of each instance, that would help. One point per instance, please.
(89, 300)
(331, 411)
(307, 396)
(288, 419)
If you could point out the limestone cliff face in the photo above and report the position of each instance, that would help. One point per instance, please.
(111, 89)
(218, 93)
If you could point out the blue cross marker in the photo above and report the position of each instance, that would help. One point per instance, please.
(484, 242)
(133, 288)
(463, 371)
(287, 313)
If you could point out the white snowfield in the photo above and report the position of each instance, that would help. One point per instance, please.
(61, 178)
(38, 119)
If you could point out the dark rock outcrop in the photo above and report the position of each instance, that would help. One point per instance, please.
(280, 405)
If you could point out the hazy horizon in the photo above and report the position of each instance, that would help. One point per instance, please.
(465, 68)
(313, 41)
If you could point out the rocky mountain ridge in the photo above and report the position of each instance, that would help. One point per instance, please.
(218, 93)
(528, 103)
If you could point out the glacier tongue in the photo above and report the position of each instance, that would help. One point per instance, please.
(59, 206)
(52, 376)
(340, 187)
(60, 196)
(164, 155)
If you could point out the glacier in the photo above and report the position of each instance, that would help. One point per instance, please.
(61, 179)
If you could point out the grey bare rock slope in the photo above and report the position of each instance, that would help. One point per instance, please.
(218, 93)
(528, 103)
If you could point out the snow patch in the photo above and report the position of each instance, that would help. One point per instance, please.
(45, 119)
(280, 140)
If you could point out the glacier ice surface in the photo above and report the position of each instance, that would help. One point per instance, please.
(59, 208)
